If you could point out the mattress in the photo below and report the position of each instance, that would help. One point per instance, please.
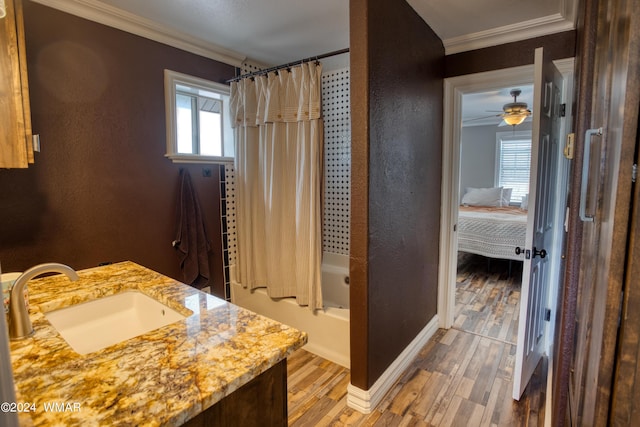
(493, 232)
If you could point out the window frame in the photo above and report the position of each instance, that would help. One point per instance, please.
(171, 79)
(505, 137)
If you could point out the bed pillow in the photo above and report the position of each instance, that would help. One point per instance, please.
(483, 196)
(506, 196)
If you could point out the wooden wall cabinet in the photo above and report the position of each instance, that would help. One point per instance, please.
(16, 146)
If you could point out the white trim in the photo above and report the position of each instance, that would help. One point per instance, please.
(194, 158)
(449, 201)
(454, 88)
(566, 68)
(569, 10)
(548, 401)
(101, 13)
(509, 33)
(365, 401)
(171, 79)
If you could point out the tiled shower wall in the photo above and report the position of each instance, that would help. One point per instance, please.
(250, 66)
(337, 174)
(337, 161)
(228, 221)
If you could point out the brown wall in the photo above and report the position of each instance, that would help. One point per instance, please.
(508, 55)
(101, 189)
(397, 83)
(557, 46)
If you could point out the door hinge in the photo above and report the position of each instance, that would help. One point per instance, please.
(563, 110)
(547, 314)
(455, 227)
(634, 172)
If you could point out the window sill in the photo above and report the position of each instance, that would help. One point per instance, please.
(190, 158)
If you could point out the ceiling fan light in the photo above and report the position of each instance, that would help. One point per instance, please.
(514, 119)
(515, 107)
(515, 112)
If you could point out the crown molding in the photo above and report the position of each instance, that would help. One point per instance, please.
(510, 33)
(117, 18)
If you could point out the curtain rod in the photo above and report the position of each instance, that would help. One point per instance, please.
(290, 64)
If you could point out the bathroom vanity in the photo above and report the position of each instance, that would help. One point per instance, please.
(219, 365)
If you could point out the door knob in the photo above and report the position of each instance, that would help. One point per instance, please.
(527, 253)
(542, 253)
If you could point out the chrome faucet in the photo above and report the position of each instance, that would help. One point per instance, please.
(19, 321)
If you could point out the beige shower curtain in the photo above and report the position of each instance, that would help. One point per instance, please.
(278, 164)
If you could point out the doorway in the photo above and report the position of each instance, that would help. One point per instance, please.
(455, 89)
(494, 186)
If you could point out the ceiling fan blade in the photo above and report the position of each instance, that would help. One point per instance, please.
(481, 118)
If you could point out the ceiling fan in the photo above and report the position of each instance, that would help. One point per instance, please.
(513, 113)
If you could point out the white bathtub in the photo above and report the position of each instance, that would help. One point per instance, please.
(328, 329)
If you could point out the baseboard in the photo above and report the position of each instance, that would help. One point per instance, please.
(365, 401)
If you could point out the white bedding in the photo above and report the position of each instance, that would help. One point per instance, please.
(491, 231)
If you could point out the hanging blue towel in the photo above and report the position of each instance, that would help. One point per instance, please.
(191, 240)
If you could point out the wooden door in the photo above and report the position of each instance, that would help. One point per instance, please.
(606, 193)
(535, 273)
(16, 149)
(625, 401)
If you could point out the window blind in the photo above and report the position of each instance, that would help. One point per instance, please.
(514, 163)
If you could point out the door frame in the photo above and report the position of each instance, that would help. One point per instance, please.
(454, 89)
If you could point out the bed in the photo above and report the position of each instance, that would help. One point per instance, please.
(493, 232)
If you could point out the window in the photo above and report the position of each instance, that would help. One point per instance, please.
(198, 123)
(513, 160)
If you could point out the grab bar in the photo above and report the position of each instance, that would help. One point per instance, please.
(585, 173)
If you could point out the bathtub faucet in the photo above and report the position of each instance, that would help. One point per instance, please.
(19, 321)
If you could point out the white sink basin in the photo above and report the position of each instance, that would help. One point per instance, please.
(94, 325)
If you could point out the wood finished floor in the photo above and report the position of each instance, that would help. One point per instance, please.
(488, 297)
(460, 378)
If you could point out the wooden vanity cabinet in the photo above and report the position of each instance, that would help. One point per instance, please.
(16, 146)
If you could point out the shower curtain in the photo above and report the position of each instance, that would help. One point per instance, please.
(278, 163)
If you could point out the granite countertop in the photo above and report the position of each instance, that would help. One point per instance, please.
(162, 378)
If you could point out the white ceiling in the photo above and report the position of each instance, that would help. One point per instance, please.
(272, 32)
(278, 31)
(465, 25)
(269, 31)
